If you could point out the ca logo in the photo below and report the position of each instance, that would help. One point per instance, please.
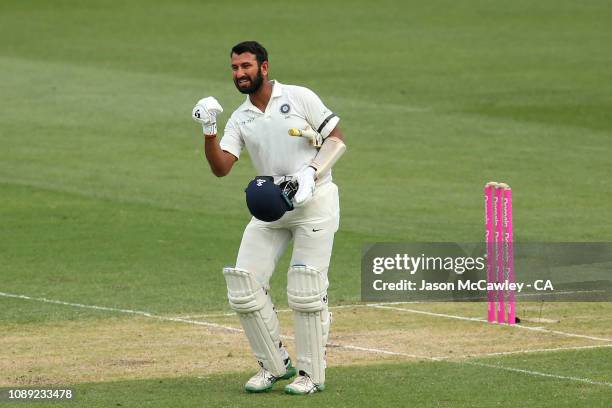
(260, 182)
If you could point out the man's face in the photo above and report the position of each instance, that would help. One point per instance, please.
(248, 75)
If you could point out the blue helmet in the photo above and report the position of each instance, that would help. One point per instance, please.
(268, 201)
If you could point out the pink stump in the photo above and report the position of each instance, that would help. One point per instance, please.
(489, 192)
(499, 242)
(509, 244)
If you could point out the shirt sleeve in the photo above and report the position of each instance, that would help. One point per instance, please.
(317, 114)
(232, 141)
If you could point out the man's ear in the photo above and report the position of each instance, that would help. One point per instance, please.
(264, 68)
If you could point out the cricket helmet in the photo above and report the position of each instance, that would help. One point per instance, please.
(268, 201)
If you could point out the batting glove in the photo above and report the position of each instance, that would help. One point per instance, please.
(306, 185)
(205, 112)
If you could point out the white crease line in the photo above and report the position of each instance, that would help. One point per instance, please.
(228, 314)
(350, 347)
(374, 350)
(545, 350)
(128, 311)
(474, 319)
(381, 351)
(202, 323)
(520, 296)
(538, 373)
(583, 336)
(203, 316)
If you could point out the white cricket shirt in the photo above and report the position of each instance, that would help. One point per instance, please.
(265, 134)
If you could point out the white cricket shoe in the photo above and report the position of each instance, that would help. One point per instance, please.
(264, 380)
(303, 385)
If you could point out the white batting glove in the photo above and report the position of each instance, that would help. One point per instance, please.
(205, 112)
(306, 185)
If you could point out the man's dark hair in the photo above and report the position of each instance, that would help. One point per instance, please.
(254, 48)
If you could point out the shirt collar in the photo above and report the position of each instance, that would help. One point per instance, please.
(277, 90)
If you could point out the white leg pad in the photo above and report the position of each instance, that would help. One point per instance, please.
(254, 307)
(307, 296)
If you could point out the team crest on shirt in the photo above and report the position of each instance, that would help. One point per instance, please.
(285, 108)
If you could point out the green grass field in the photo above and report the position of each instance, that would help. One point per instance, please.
(107, 200)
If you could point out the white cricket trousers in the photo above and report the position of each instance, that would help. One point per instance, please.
(311, 226)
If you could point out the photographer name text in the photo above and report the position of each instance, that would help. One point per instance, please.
(468, 285)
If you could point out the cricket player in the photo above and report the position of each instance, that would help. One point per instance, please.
(262, 124)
